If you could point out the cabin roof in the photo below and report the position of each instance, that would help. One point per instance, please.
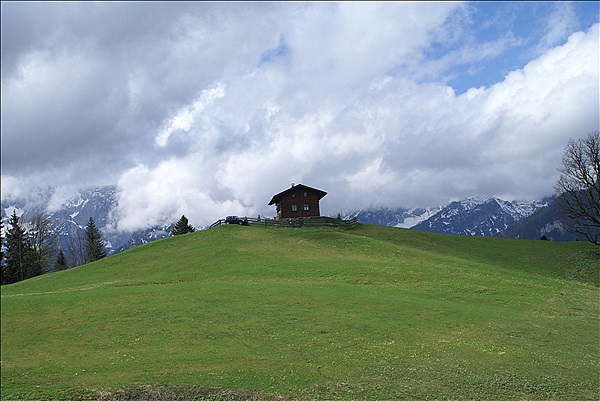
(298, 187)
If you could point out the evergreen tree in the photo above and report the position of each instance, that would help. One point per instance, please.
(94, 244)
(61, 261)
(34, 262)
(17, 253)
(182, 227)
(1, 244)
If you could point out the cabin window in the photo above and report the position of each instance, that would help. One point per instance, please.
(294, 208)
(305, 194)
(306, 207)
(293, 195)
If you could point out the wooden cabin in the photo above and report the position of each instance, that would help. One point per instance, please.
(297, 201)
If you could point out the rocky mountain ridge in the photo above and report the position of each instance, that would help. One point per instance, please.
(486, 217)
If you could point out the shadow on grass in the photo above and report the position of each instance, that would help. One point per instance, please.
(583, 266)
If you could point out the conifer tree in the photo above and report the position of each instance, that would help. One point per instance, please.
(182, 227)
(94, 244)
(61, 261)
(1, 244)
(16, 266)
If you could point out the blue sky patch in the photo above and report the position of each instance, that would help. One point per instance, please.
(278, 52)
(494, 38)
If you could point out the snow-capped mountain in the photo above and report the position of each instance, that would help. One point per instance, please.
(69, 218)
(479, 216)
(403, 218)
(544, 223)
(473, 216)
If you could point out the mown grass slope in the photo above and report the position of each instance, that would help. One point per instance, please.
(313, 313)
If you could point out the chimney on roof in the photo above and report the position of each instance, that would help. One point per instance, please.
(293, 185)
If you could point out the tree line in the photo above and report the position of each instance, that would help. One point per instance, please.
(31, 249)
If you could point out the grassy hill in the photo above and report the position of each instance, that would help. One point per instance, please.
(311, 313)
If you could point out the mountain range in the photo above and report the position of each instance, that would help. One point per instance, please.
(70, 218)
(488, 216)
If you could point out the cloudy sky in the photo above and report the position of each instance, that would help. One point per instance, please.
(208, 109)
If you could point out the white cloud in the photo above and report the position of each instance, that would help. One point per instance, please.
(560, 23)
(60, 196)
(184, 118)
(396, 143)
(160, 195)
(13, 187)
(188, 116)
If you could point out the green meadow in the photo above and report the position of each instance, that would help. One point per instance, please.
(364, 313)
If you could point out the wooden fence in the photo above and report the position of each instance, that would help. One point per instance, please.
(295, 222)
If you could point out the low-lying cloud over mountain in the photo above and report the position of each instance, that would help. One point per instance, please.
(473, 216)
(207, 109)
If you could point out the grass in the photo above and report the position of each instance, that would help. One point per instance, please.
(310, 313)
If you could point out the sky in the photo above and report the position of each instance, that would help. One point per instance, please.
(209, 109)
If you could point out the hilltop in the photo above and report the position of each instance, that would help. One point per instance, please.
(473, 216)
(311, 313)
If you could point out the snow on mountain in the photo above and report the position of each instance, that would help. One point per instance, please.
(70, 216)
(13, 209)
(544, 223)
(415, 216)
(479, 216)
(482, 216)
(402, 218)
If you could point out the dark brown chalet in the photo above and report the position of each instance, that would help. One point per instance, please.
(297, 201)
